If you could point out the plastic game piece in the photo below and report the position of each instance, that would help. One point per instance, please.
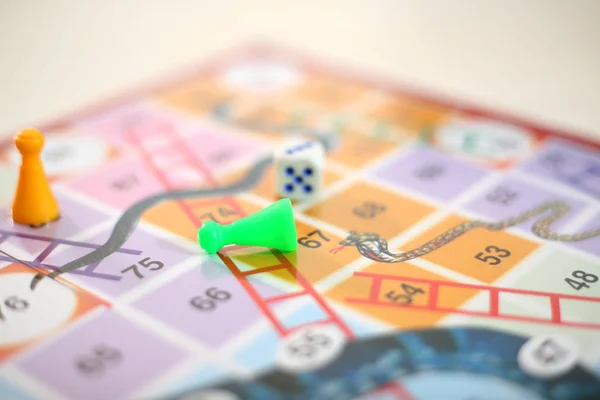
(299, 169)
(34, 203)
(272, 227)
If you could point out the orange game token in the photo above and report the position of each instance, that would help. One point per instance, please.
(34, 203)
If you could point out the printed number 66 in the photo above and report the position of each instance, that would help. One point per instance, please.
(493, 260)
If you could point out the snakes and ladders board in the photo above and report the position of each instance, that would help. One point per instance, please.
(453, 253)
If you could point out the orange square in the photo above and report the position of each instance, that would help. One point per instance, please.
(329, 93)
(357, 150)
(482, 254)
(274, 115)
(314, 259)
(413, 297)
(29, 316)
(366, 208)
(186, 216)
(409, 114)
(197, 97)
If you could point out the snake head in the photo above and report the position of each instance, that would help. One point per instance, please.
(351, 240)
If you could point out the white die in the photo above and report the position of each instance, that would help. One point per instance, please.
(299, 169)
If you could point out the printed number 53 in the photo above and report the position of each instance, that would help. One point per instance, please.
(495, 259)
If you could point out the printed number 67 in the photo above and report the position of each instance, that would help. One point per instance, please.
(493, 259)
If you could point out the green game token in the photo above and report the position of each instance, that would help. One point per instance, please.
(272, 227)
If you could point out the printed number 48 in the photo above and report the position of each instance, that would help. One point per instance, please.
(492, 259)
(587, 278)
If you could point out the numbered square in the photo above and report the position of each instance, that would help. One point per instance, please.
(145, 257)
(382, 293)
(431, 173)
(327, 92)
(108, 357)
(567, 274)
(357, 150)
(75, 218)
(366, 208)
(120, 184)
(184, 217)
(139, 125)
(198, 96)
(479, 253)
(201, 303)
(573, 165)
(408, 115)
(217, 151)
(513, 198)
(319, 255)
(29, 316)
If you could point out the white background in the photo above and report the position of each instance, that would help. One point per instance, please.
(538, 59)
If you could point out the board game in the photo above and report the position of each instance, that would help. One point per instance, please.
(453, 253)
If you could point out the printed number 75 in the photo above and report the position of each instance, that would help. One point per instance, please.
(492, 260)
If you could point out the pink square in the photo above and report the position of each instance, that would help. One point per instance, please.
(220, 150)
(137, 124)
(119, 184)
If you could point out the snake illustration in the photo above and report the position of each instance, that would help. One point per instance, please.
(369, 245)
(374, 247)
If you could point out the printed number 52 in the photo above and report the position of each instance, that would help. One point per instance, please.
(492, 260)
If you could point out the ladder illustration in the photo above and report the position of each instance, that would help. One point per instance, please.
(52, 245)
(434, 286)
(265, 304)
(171, 161)
(146, 133)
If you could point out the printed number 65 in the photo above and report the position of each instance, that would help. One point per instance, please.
(493, 260)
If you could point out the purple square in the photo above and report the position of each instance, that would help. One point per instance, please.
(568, 163)
(511, 197)
(591, 245)
(75, 218)
(210, 310)
(143, 257)
(106, 358)
(431, 173)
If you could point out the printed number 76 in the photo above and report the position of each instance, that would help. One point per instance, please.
(492, 260)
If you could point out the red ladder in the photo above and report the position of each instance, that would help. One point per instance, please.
(179, 160)
(265, 303)
(494, 296)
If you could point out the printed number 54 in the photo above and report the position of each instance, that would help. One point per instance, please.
(492, 259)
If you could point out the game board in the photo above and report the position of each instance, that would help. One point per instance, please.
(453, 254)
